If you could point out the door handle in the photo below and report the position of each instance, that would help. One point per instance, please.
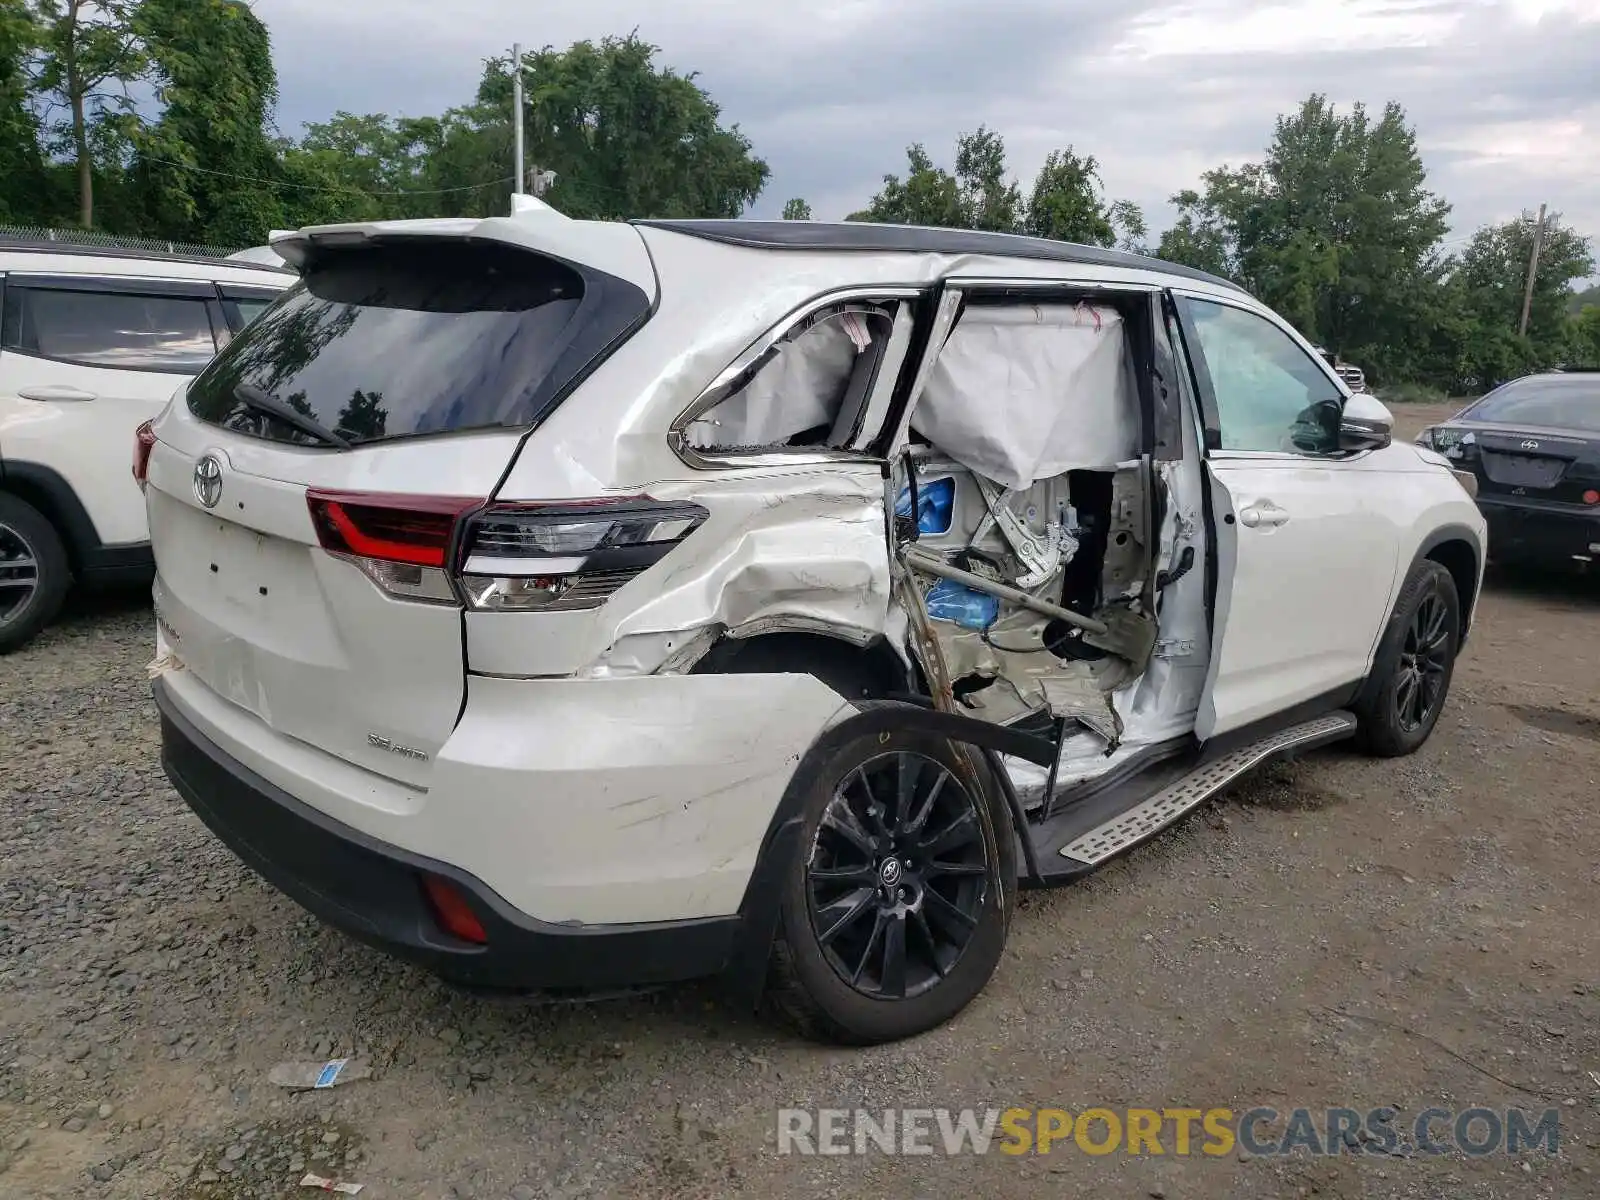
(1264, 514)
(55, 391)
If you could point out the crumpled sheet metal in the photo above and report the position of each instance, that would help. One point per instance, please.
(805, 548)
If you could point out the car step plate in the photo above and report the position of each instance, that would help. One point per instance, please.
(1166, 806)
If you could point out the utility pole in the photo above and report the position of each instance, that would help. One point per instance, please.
(516, 113)
(1533, 271)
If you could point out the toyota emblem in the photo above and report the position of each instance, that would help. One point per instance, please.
(208, 481)
(1530, 444)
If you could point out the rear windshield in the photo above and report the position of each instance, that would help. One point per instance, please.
(1555, 401)
(393, 341)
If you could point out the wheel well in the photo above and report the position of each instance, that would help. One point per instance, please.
(40, 498)
(872, 671)
(1459, 558)
(55, 500)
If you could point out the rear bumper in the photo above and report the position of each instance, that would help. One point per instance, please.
(1540, 535)
(372, 890)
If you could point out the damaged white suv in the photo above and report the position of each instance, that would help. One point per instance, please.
(569, 605)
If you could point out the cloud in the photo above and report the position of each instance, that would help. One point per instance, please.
(1502, 92)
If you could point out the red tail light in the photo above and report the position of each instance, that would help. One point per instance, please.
(452, 911)
(397, 529)
(1591, 497)
(144, 441)
(399, 542)
(565, 554)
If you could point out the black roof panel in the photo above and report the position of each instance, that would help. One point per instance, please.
(919, 239)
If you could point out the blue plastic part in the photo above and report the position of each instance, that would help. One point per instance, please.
(936, 505)
(970, 609)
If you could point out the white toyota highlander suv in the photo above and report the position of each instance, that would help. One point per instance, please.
(569, 605)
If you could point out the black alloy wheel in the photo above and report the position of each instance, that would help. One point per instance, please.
(899, 884)
(897, 876)
(1400, 702)
(1425, 660)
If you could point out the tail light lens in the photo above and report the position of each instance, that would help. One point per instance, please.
(517, 557)
(513, 557)
(400, 542)
(144, 441)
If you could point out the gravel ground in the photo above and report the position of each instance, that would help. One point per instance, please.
(1337, 931)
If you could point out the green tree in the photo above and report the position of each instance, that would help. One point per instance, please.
(22, 175)
(979, 195)
(1490, 281)
(1133, 233)
(1199, 238)
(370, 167)
(987, 197)
(627, 138)
(928, 195)
(90, 53)
(797, 210)
(1335, 228)
(1066, 202)
(206, 171)
(1583, 337)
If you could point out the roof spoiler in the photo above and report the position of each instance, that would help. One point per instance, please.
(522, 203)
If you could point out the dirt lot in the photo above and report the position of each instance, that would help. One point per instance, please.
(1337, 932)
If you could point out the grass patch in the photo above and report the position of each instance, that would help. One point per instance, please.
(1412, 393)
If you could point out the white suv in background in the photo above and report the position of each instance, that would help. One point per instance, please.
(584, 605)
(93, 342)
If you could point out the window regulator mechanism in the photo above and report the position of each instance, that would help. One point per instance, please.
(1041, 555)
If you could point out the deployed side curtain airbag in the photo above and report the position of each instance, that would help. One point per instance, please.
(800, 389)
(1022, 393)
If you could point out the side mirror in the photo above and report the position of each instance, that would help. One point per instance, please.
(1366, 424)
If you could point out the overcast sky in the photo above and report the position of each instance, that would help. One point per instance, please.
(1504, 94)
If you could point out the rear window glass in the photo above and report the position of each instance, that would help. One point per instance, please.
(1557, 402)
(112, 329)
(386, 342)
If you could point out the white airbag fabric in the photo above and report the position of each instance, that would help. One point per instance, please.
(797, 391)
(1025, 392)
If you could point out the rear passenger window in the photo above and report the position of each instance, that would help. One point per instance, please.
(809, 389)
(249, 310)
(110, 329)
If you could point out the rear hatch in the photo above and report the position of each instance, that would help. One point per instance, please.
(1530, 464)
(303, 495)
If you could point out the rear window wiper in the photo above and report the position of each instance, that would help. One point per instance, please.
(264, 401)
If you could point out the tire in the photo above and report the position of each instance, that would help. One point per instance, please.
(1400, 703)
(26, 537)
(949, 911)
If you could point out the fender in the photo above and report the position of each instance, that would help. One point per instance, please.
(1468, 577)
(92, 561)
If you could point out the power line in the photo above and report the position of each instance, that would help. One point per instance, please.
(312, 187)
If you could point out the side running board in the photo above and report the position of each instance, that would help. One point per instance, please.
(1148, 817)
